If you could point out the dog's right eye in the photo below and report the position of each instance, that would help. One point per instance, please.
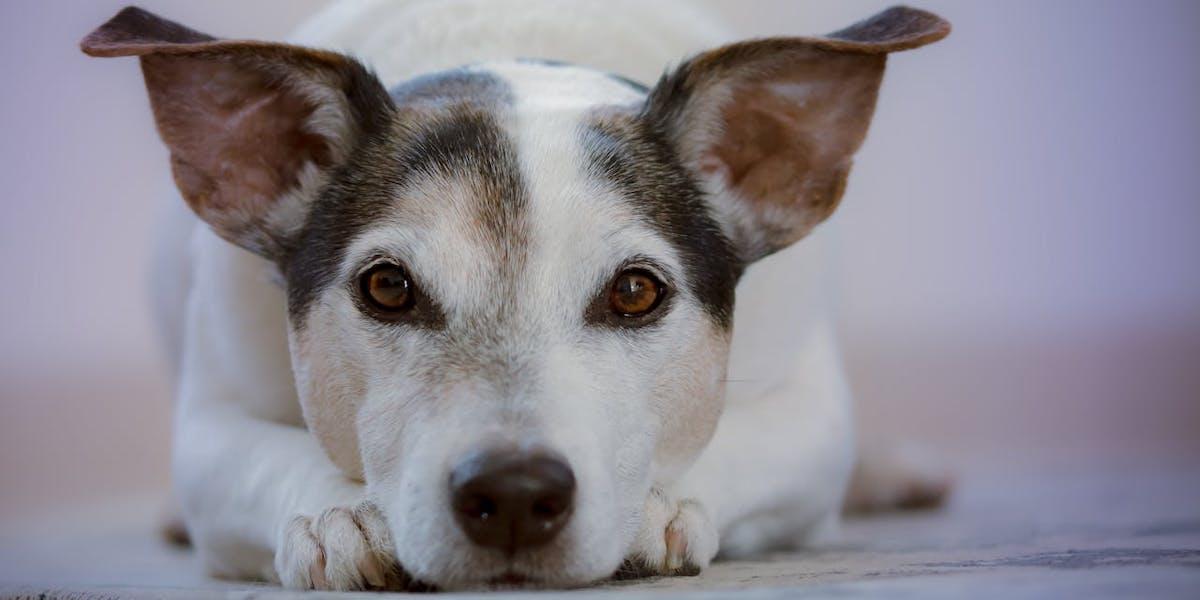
(387, 290)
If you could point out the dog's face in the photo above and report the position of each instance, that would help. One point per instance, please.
(510, 286)
(497, 274)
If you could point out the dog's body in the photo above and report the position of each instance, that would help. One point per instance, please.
(273, 487)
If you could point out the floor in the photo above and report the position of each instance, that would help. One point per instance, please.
(1119, 527)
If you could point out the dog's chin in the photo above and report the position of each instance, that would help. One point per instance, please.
(516, 576)
(515, 580)
(509, 580)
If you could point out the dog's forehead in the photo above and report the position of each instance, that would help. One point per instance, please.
(547, 86)
(502, 179)
(523, 84)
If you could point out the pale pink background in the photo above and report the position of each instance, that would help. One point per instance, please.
(1019, 253)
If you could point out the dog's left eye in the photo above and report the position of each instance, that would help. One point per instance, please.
(635, 292)
(387, 289)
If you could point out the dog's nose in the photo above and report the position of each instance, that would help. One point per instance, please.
(512, 500)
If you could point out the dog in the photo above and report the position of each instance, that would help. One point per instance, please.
(467, 321)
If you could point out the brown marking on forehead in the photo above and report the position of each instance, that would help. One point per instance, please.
(457, 116)
(446, 127)
(630, 154)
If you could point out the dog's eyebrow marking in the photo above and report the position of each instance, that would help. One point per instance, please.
(627, 154)
(446, 125)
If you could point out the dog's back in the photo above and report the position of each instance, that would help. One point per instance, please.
(404, 38)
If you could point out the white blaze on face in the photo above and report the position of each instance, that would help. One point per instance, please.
(596, 400)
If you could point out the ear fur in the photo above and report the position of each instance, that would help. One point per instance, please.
(253, 127)
(772, 125)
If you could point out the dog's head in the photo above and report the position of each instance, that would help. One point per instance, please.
(510, 286)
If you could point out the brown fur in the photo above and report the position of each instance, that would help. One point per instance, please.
(778, 120)
(238, 116)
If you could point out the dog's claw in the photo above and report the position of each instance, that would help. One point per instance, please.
(677, 546)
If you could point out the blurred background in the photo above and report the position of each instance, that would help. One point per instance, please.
(1019, 266)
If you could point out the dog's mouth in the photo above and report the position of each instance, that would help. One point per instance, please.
(513, 579)
(510, 579)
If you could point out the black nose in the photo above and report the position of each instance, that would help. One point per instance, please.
(511, 499)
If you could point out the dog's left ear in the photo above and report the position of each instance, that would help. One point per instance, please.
(771, 125)
(253, 127)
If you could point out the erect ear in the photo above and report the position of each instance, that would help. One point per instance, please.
(771, 125)
(253, 127)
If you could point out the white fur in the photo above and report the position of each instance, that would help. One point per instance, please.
(255, 484)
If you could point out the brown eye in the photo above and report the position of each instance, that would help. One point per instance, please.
(387, 289)
(635, 293)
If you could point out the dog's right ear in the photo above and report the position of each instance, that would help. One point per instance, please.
(254, 128)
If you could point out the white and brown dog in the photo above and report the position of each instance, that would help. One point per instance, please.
(475, 326)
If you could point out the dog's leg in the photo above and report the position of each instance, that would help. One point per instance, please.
(775, 473)
(263, 501)
(259, 495)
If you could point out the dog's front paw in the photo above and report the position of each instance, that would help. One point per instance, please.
(676, 538)
(343, 548)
